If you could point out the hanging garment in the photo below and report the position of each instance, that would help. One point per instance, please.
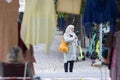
(69, 6)
(115, 70)
(39, 22)
(118, 1)
(8, 26)
(100, 11)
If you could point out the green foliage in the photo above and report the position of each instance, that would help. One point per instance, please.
(83, 7)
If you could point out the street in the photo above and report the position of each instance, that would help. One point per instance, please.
(51, 67)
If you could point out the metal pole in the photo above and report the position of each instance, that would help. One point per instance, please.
(100, 37)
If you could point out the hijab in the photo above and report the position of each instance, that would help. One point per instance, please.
(69, 30)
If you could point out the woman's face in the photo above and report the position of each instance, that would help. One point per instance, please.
(73, 29)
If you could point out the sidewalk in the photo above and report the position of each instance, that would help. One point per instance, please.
(51, 66)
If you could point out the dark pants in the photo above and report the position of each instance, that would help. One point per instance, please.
(69, 64)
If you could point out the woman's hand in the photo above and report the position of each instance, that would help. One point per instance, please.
(76, 37)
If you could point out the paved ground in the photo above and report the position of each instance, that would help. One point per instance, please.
(50, 66)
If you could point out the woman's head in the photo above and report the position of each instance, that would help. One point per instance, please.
(15, 55)
(69, 29)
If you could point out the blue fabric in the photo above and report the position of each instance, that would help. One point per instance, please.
(62, 23)
(87, 29)
(100, 11)
(105, 53)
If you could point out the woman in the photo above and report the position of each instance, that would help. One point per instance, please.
(71, 38)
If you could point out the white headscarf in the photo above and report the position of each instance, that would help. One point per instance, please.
(69, 30)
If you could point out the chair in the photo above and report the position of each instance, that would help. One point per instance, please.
(10, 71)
